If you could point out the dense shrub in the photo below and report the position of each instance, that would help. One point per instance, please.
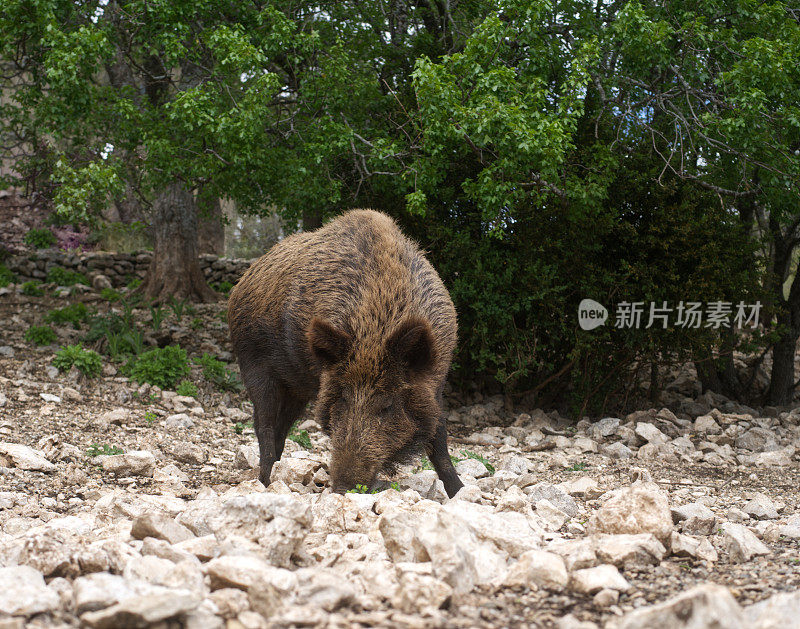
(86, 361)
(517, 293)
(163, 367)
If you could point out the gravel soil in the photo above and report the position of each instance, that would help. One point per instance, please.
(72, 421)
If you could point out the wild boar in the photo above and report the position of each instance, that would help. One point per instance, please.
(353, 316)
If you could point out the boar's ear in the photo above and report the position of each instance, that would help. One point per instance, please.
(412, 344)
(329, 345)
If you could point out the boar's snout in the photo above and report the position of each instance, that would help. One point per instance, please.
(349, 470)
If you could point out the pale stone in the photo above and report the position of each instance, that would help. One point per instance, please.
(100, 590)
(293, 470)
(640, 508)
(592, 580)
(584, 486)
(230, 602)
(553, 517)
(555, 495)
(512, 500)
(246, 458)
(136, 463)
(179, 420)
(606, 597)
(160, 526)
(187, 452)
(149, 568)
(323, 588)
(696, 519)
(577, 554)
(243, 571)
(24, 593)
(418, 593)
(471, 467)
(24, 458)
(761, 507)
(704, 606)
(204, 548)
(706, 424)
(616, 450)
(779, 611)
(630, 551)
(650, 433)
(741, 543)
(538, 568)
(511, 532)
(141, 611)
(687, 546)
(278, 523)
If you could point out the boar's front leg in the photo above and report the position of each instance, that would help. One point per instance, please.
(275, 409)
(442, 463)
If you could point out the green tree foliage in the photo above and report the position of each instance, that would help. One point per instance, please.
(542, 152)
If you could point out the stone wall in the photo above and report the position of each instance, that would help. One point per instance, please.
(120, 268)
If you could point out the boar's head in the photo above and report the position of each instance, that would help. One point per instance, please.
(377, 397)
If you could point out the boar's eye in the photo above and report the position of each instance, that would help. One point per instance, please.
(384, 406)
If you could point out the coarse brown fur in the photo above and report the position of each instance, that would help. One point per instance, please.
(351, 314)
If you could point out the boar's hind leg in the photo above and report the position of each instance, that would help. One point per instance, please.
(275, 410)
(440, 457)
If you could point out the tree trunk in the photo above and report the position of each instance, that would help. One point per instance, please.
(174, 272)
(719, 374)
(654, 392)
(211, 235)
(781, 382)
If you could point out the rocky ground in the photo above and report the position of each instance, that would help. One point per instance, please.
(127, 506)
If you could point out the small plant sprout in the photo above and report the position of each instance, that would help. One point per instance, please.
(41, 335)
(187, 388)
(75, 314)
(468, 454)
(177, 306)
(300, 437)
(32, 289)
(239, 427)
(109, 294)
(6, 276)
(103, 450)
(157, 315)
